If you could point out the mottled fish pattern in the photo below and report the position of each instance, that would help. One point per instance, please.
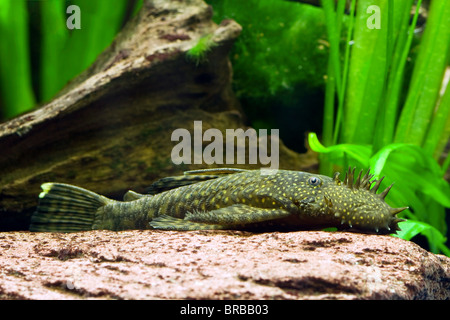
(224, 199)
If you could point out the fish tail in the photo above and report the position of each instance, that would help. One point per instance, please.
(66, 208)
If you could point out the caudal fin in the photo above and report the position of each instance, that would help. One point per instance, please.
(66, 208)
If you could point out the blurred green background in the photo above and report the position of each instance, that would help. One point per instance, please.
(39, 54)
(279, 64)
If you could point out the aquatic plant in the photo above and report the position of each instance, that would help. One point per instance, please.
(39, 54)
(198, 52)
(380, 119)
(279, 62)
(15, 70)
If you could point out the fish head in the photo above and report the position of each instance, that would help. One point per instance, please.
(354, 203)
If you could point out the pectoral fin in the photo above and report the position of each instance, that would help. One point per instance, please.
(237, 214)
(165, 222)
(231, 217)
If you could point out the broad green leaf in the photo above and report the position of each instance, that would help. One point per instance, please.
(410, 163)
(411, 228)
(359, 153)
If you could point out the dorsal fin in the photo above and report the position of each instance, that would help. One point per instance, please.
(169, 183)
(214, 171)
(131, 196)
(189, 177)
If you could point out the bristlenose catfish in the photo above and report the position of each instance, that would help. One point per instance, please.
(225, 199)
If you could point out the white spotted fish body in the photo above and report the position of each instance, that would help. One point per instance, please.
(225, 199)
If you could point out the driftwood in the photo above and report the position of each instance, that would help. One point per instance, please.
(109, 130)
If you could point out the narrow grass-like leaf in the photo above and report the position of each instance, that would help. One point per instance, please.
(137, 7)
(100, 21)
(439, 132)
(332, 124)
(340, 110)
(333, 31)
(446, 163)
(15, 74)
(427, 76)
(396, 74)
(328, 119)
(366, 75)
(54, 37)
(328, 116)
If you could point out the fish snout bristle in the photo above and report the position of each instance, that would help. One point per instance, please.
(396, 211)
(358, 180)
(377, 185)
(386, 191)
(361, 182)
(365, 182)
(350, 177)
(336, 177)
(394, 224)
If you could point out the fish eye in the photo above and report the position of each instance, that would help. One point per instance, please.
(314, 181)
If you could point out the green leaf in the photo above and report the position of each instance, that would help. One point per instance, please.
(411, 228)
(333, 28)
(411, 163)
(100, 22)
(54, 37)
(427, 76)
(439, 132)
(342, 154)
(15, 71)
(397, 72)
(366, 79)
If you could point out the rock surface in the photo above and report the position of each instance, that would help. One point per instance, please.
(150, 264)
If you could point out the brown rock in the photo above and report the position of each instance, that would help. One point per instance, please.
(154, 264)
